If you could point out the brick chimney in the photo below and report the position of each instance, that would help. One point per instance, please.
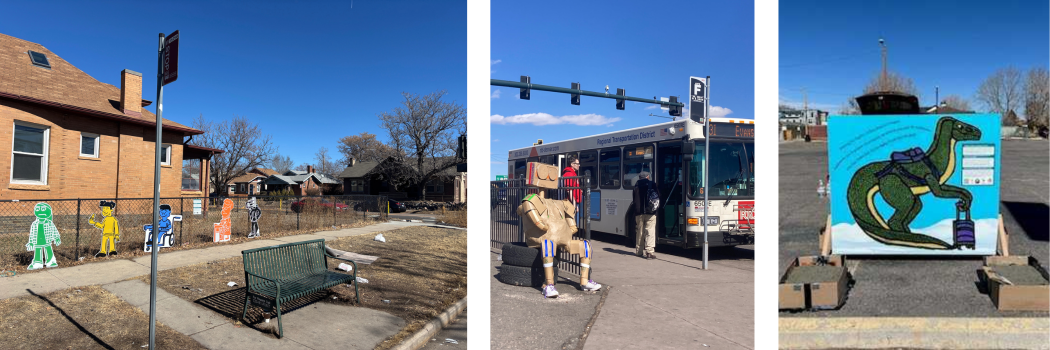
(131, 92)
(309, 168)
(352, 162)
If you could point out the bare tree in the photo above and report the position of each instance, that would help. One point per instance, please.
(1001, 92)
(849, 107)
(956, 102)
(324, 164)
(244, 143)
(1037, 97)
(364, 147)
(281, 164)
(892, 82)
(424, 130)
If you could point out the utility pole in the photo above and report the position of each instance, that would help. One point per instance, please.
(805, 106)
(937, 98)
(883, 80)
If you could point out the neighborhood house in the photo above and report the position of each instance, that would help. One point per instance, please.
(64, 134)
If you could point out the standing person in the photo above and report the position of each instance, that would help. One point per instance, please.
(644, 193)
(574, 195)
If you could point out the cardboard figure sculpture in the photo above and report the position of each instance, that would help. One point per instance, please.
(918, 184)
(550, 224)
(41, 234)
(163, 232)
(222, 228)
(109, 226)
(253, 215)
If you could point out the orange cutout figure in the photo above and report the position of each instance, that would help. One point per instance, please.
(222, 228)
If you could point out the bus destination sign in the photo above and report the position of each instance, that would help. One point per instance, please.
(733, 130)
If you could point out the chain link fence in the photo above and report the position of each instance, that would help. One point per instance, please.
(505, 223)
(280, 216)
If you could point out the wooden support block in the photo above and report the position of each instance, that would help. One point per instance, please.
(825, 239)
(1003, 246)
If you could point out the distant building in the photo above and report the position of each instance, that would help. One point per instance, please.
(792, 116)
(367, 178)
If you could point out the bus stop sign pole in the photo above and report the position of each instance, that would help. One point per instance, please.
(707, 147)
(167, 71)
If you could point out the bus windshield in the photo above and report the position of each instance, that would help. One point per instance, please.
(731, 170)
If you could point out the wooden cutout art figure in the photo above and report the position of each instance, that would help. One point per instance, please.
(41, 234)
(222, 228)
(550, 224)
(163, 231)
(253, 215)
(109, 226)
(902, 181)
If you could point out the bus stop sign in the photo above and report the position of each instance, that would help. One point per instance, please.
(697, 99)
(171, 58)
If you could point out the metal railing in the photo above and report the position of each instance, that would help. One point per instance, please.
(505, 223)
(81, 240)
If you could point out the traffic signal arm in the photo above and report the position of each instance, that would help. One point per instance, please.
(520, 85)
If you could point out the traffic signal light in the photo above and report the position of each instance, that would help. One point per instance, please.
(674, 111)
(576, 96)
(621, 103)
(523, 93)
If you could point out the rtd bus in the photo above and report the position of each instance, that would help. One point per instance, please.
(613, 161)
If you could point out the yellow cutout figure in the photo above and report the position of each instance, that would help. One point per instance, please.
(109, 226)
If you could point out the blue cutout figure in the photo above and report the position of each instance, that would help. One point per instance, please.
(164, 228)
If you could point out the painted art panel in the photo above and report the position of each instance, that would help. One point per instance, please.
(914, 184)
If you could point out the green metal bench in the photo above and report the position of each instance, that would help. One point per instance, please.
(282, 273)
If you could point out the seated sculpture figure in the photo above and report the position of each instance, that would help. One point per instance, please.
(549, 225)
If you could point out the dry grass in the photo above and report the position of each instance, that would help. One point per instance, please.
(18, 262)
(80, 318)
(454, 218)
(421, 270)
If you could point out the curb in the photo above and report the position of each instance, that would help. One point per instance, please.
(422, 336)
(915, 332)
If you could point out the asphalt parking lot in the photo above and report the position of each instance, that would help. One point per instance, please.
(916, 287)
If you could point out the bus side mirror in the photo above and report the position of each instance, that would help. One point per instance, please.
(688, 148)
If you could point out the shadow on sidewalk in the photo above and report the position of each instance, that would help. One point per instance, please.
(230, 304)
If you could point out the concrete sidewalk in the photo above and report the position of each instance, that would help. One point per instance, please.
(111, 271)
(671, 302)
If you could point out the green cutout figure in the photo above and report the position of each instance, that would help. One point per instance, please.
(41, 235)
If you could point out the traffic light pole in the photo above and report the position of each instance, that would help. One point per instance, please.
(520, 85)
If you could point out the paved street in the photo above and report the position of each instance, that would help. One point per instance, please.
(651, 304)
(916, 286)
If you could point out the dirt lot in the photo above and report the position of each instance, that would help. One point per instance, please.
(421, 271)
(80, 318)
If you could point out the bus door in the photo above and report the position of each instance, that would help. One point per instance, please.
(670, 217)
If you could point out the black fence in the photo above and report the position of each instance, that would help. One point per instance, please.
(505, 223)
(82, 240)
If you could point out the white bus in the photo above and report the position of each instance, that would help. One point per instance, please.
(613, 161)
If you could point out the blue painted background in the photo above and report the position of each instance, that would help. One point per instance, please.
(857, 140)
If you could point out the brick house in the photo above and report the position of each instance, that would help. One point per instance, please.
(250, 183)
(64, 134)
(301, 182)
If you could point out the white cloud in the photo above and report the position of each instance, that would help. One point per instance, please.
(495, 61)
(653, 107)
(541, 119)
(718, 112)
(495, 140)
(495, 94)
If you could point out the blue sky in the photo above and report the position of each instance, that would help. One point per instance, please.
(307, 74)
(831, 48)
(649, 49)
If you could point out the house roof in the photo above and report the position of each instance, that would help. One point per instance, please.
(249, 177)
(298, 179)
(267, 172)
(359, 169)
(64, 86)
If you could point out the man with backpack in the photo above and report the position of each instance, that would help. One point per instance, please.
(646, 202)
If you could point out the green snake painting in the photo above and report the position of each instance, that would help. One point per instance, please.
(902, 181)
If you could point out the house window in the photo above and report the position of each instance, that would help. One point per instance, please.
(29, 158)
(244, 188)
(39, 59)
(89, 145)
(436, 186)
(357, 185)
(191, 174)
(232, 187)
(165, 154)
